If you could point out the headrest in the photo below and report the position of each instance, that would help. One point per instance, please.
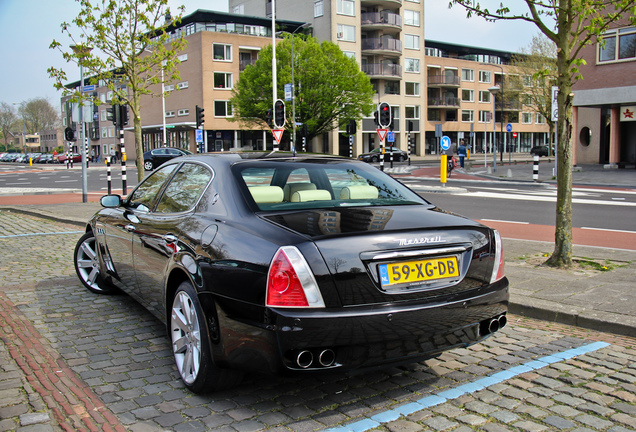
(311, 195)
(359, 192)
(266, 194)
(290, 188)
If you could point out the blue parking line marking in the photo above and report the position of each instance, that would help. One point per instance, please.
(448, 394)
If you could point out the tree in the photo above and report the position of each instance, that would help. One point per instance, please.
(571, 25)
(7, 120)
(123, 43)
(39, 115)
(537, 63)
(330, 87)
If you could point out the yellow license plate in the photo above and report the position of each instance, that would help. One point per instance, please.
(418, 271)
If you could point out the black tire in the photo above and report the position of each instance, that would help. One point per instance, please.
(148, 165)
(400, 158)
(86, 261)
(375, 159)
(191, 345)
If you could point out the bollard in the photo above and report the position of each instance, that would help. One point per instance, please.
(382, 156)
(108, 177)
(443, 170)
(535, 168)
(509, 173)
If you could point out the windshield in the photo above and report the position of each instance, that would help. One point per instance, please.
(312, 184)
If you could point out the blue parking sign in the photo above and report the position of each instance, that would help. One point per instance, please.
(390, 137)
(199, 135)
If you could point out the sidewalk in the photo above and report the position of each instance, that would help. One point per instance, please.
(599, 300)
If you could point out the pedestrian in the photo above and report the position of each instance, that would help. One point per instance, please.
(92, 155)
(461, 152)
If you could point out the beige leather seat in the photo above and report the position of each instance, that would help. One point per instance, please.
(290, 188)
(267, 194)
(311, 195)
(359, 192)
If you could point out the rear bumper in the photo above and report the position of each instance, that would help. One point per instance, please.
(363, 336)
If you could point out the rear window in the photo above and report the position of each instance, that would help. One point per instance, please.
(295, 184)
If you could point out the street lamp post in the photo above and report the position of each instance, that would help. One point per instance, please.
(82, 51)
(293, 83)
(502, 102)
(494, 91)
(23, 130)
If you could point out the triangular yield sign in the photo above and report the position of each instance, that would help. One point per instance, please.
(382, 133)
(278, 134)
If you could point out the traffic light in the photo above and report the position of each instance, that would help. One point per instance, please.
(375, 118)
(69, 134)
(200, 116)
(351, 127)
(384, 115)
(270, 115)
(123, 116)
(279, 113)
(111, 114)
(305, 130)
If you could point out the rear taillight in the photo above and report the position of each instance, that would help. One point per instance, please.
(498, 268)
(290, 282)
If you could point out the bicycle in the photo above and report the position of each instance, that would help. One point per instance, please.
(450, 166)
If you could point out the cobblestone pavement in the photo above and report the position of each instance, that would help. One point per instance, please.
(73, 360)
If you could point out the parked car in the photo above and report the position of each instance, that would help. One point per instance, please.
(374, 155)
(540, 150)
(293, 265)
(155, 157)
(62, 157)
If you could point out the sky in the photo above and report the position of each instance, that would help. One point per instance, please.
(27, 28)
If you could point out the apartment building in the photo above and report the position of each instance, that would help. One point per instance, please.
(428, 84)
(220, 46)
(604, 112)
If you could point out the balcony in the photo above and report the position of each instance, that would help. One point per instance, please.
(385, 21)
(444, 102)
(381, 45)
(243, 63)
(444, 81)
(386, 71)
(383, 3)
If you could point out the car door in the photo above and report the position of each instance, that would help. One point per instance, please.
(158, 235)
(118, 226)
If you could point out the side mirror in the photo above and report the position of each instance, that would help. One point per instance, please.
(110, 201)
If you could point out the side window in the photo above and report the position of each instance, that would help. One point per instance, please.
(145, 195)
(185, 189)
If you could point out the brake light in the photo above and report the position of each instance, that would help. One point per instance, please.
(290, 282)
(498, 267)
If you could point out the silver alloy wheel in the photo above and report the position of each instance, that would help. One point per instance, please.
(186, 337)
(148, 165)
(87, 263)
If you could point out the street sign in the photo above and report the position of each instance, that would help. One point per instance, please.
(514, 134)
(438, 131)
(390, 137)
(288, 92)
(382, 133)
(509, 127)
(278, 134)
(89, 88)
(199, 135)
(445, 142)
(555, 103)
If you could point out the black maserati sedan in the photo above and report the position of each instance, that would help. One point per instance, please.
(280, 264)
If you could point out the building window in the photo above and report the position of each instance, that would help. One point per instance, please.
(468, 75)
(434, 115)
(222, 52)
(183, 112)
(412, 41)
(318, 8)
(104, 115)
(351, 54)
(468, 95)
(540, 119)
(412, 65)
(346, 33)
(392, 87)
(484, 96)
(468, 116)
(169, 113)
(222, 80)
(182, 85)
(526, 118)
(239, 10)
(104, 132)
(183, 57)
(412, 112)
(346, 7)
(484, 76)
(168, 88)
(484, 116)
(618, 44)
(412, 88)
(222, 108)
(412, 18)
